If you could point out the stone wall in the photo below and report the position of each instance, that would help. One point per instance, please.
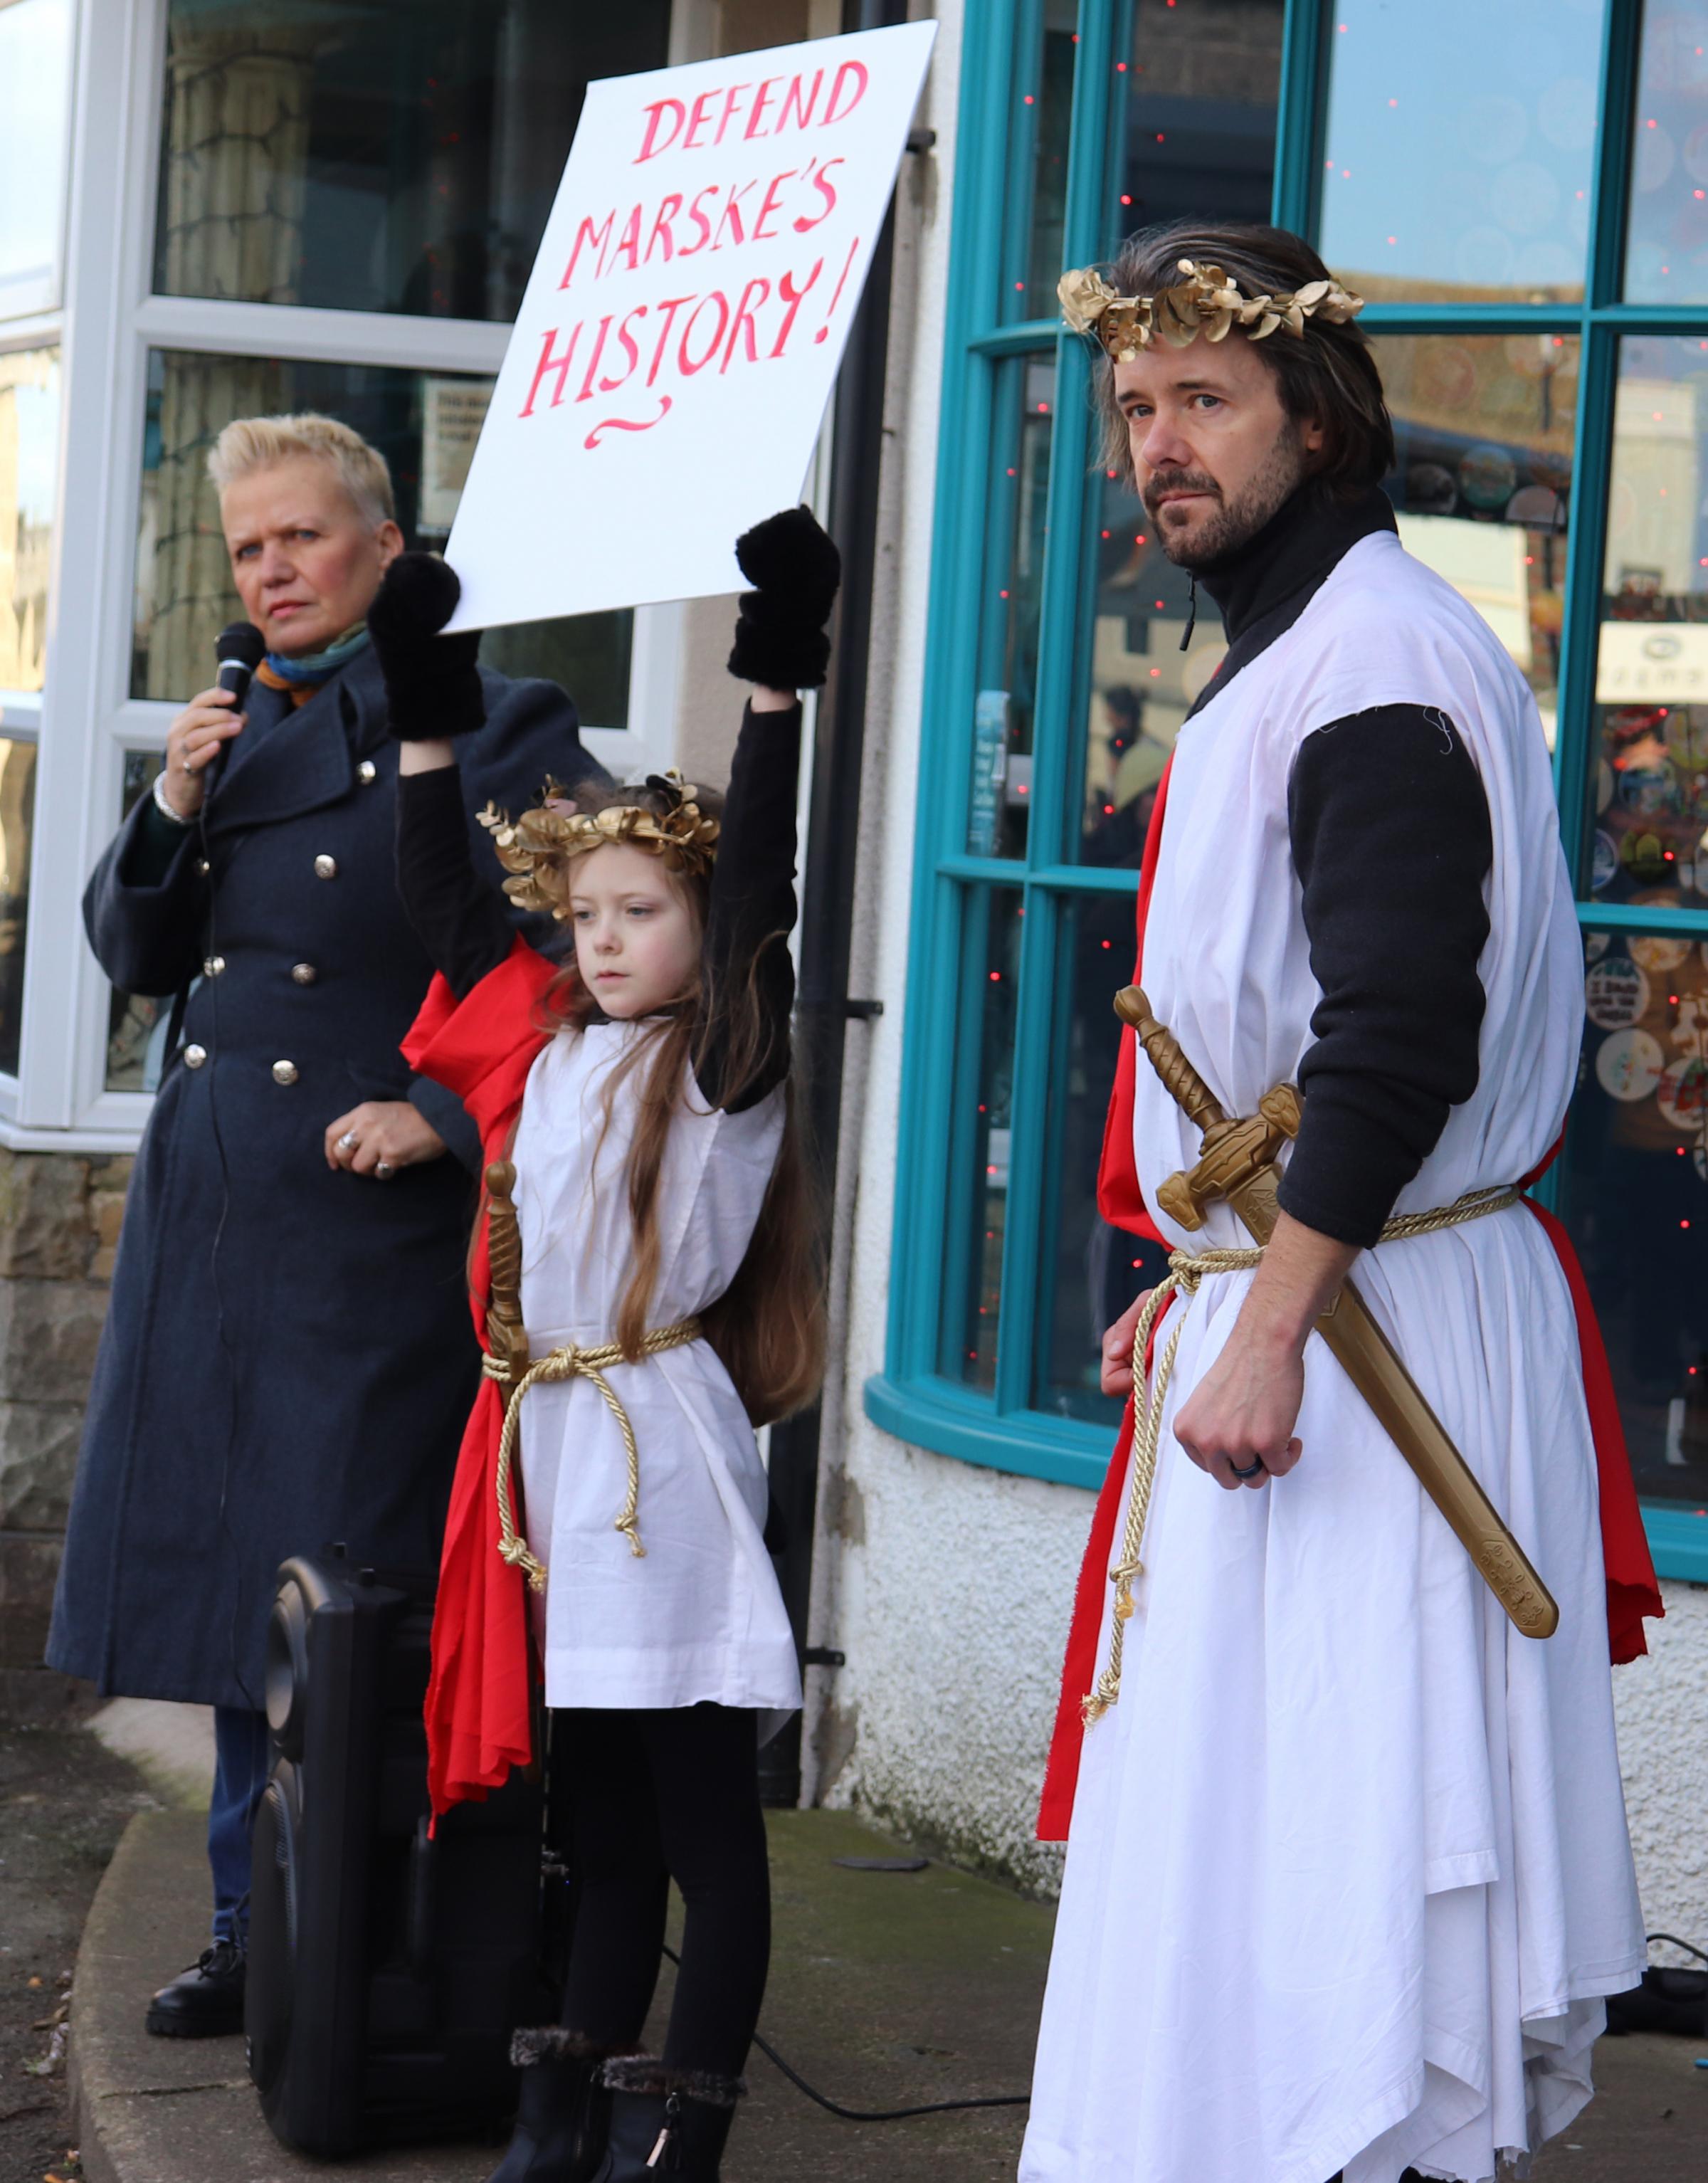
(59, 1219)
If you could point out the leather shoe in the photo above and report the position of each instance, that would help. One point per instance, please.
(206, 2002)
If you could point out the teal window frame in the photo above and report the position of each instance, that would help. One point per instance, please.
(912, 1398)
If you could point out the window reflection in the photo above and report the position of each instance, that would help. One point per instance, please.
(1666, 237)
(1094, 1271)
(377, 155)
(1202, 90)
(28, 472)
(1008, 618)
(35, 122)
(422, 423)
(1647, 794)
(137, 1023)
(17, 821)
(1459, 152)
(1634, 1193)
(982, 1133)
(1483, 427)
(1044, 93)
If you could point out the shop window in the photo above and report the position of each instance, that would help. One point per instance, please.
(35, 41)
(1646, 802)
(1200, 111)
(137, 1023)
(423, 422)
(1666, 239)
(1632, 1190)
(29, 469)
(1458, 148)
(981, 1151)
(376, 155)
(1009, 613)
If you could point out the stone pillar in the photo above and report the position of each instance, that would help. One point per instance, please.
(59, 1219)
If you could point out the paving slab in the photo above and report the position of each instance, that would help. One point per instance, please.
(888, 1989)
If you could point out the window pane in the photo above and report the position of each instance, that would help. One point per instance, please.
(1142, 682)
(1038, 147)
(1202, 91)
(377, 155)
(184, 590)
(136, 1024)
(35, 119)
(1646, 818)
(981, 1134)
(1667, 243)
(1483, 427)
(1095, 1271)
(1635, 1194)
(29, 477)
(1008, 613)
(1460, 148)
(17, 820)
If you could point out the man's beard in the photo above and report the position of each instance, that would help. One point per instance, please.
(1233, 523)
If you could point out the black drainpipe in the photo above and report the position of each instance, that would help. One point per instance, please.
(827, 906)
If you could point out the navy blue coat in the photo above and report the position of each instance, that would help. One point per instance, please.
(288, 1359)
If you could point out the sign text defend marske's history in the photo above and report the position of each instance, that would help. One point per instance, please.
(670, 365)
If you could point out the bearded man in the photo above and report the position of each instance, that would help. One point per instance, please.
(1347, 1871)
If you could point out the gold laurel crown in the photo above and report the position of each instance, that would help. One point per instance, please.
(541, 847)
(1205, 302)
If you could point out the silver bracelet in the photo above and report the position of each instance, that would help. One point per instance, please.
(163, 806)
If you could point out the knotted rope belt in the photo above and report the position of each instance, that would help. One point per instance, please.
(573, 1362)
(1186, 1269)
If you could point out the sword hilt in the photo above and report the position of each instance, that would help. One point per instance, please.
(504, 1327)
(1180, 1080)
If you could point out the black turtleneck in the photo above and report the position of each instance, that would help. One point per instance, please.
(1388, 825)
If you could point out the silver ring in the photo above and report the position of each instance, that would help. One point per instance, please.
(184, 766)
(347, 1141)
(1251, 1472)
(384, 1170)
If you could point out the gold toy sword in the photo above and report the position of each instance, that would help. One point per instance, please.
(506, 1337)
(1237, 1164)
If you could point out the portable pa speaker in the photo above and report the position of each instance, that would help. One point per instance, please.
(386, 1970)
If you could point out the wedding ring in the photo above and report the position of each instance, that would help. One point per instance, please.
(184, 766)
(384, 1170)
(347, 1142)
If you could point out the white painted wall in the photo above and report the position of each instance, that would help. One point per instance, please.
(1662, 1707)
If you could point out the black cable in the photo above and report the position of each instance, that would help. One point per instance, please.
(873, 2114)
(1672, 1940)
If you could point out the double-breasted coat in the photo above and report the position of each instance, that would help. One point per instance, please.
(288, 1357)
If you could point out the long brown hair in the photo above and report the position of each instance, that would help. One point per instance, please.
(1329, 374)
(768, 1327)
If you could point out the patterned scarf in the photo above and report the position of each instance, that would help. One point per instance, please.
(302, 676)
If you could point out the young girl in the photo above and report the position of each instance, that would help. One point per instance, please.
(671, 1302)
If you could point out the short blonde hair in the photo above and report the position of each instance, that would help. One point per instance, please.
(248, 444)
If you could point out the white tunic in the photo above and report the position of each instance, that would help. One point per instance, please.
(1348, 1867)
(700, 1616)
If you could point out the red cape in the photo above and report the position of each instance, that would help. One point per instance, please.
(1632, 1590)
(478, 1714)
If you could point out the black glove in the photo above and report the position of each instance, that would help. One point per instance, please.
(779, 630)
(432, 682)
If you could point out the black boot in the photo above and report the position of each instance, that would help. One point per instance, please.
(206, 2002)
(563, 2111)
(673, 2122)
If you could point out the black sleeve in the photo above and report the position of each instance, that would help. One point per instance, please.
(145, 907)
(1390, 837)
(459, 918)
(752, 909)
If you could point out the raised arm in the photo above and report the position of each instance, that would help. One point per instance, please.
(781, 647)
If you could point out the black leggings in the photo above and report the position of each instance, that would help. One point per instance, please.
(654, 1797)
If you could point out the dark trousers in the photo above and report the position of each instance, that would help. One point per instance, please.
(654, 1797)
(242, 1756)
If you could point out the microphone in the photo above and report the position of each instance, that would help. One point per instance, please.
(239, 648)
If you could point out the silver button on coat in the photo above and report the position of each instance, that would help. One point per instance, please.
(212, 965)
(305, 973)
(367, 772)
(194, 1056)
(283, 1072)
(325, 868)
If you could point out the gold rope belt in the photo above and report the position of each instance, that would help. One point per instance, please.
(573, 1362)
(1186, 1269)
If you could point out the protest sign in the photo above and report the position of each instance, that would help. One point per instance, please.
(670, 365)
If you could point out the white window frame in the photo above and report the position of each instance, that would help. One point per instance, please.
(87, 720)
